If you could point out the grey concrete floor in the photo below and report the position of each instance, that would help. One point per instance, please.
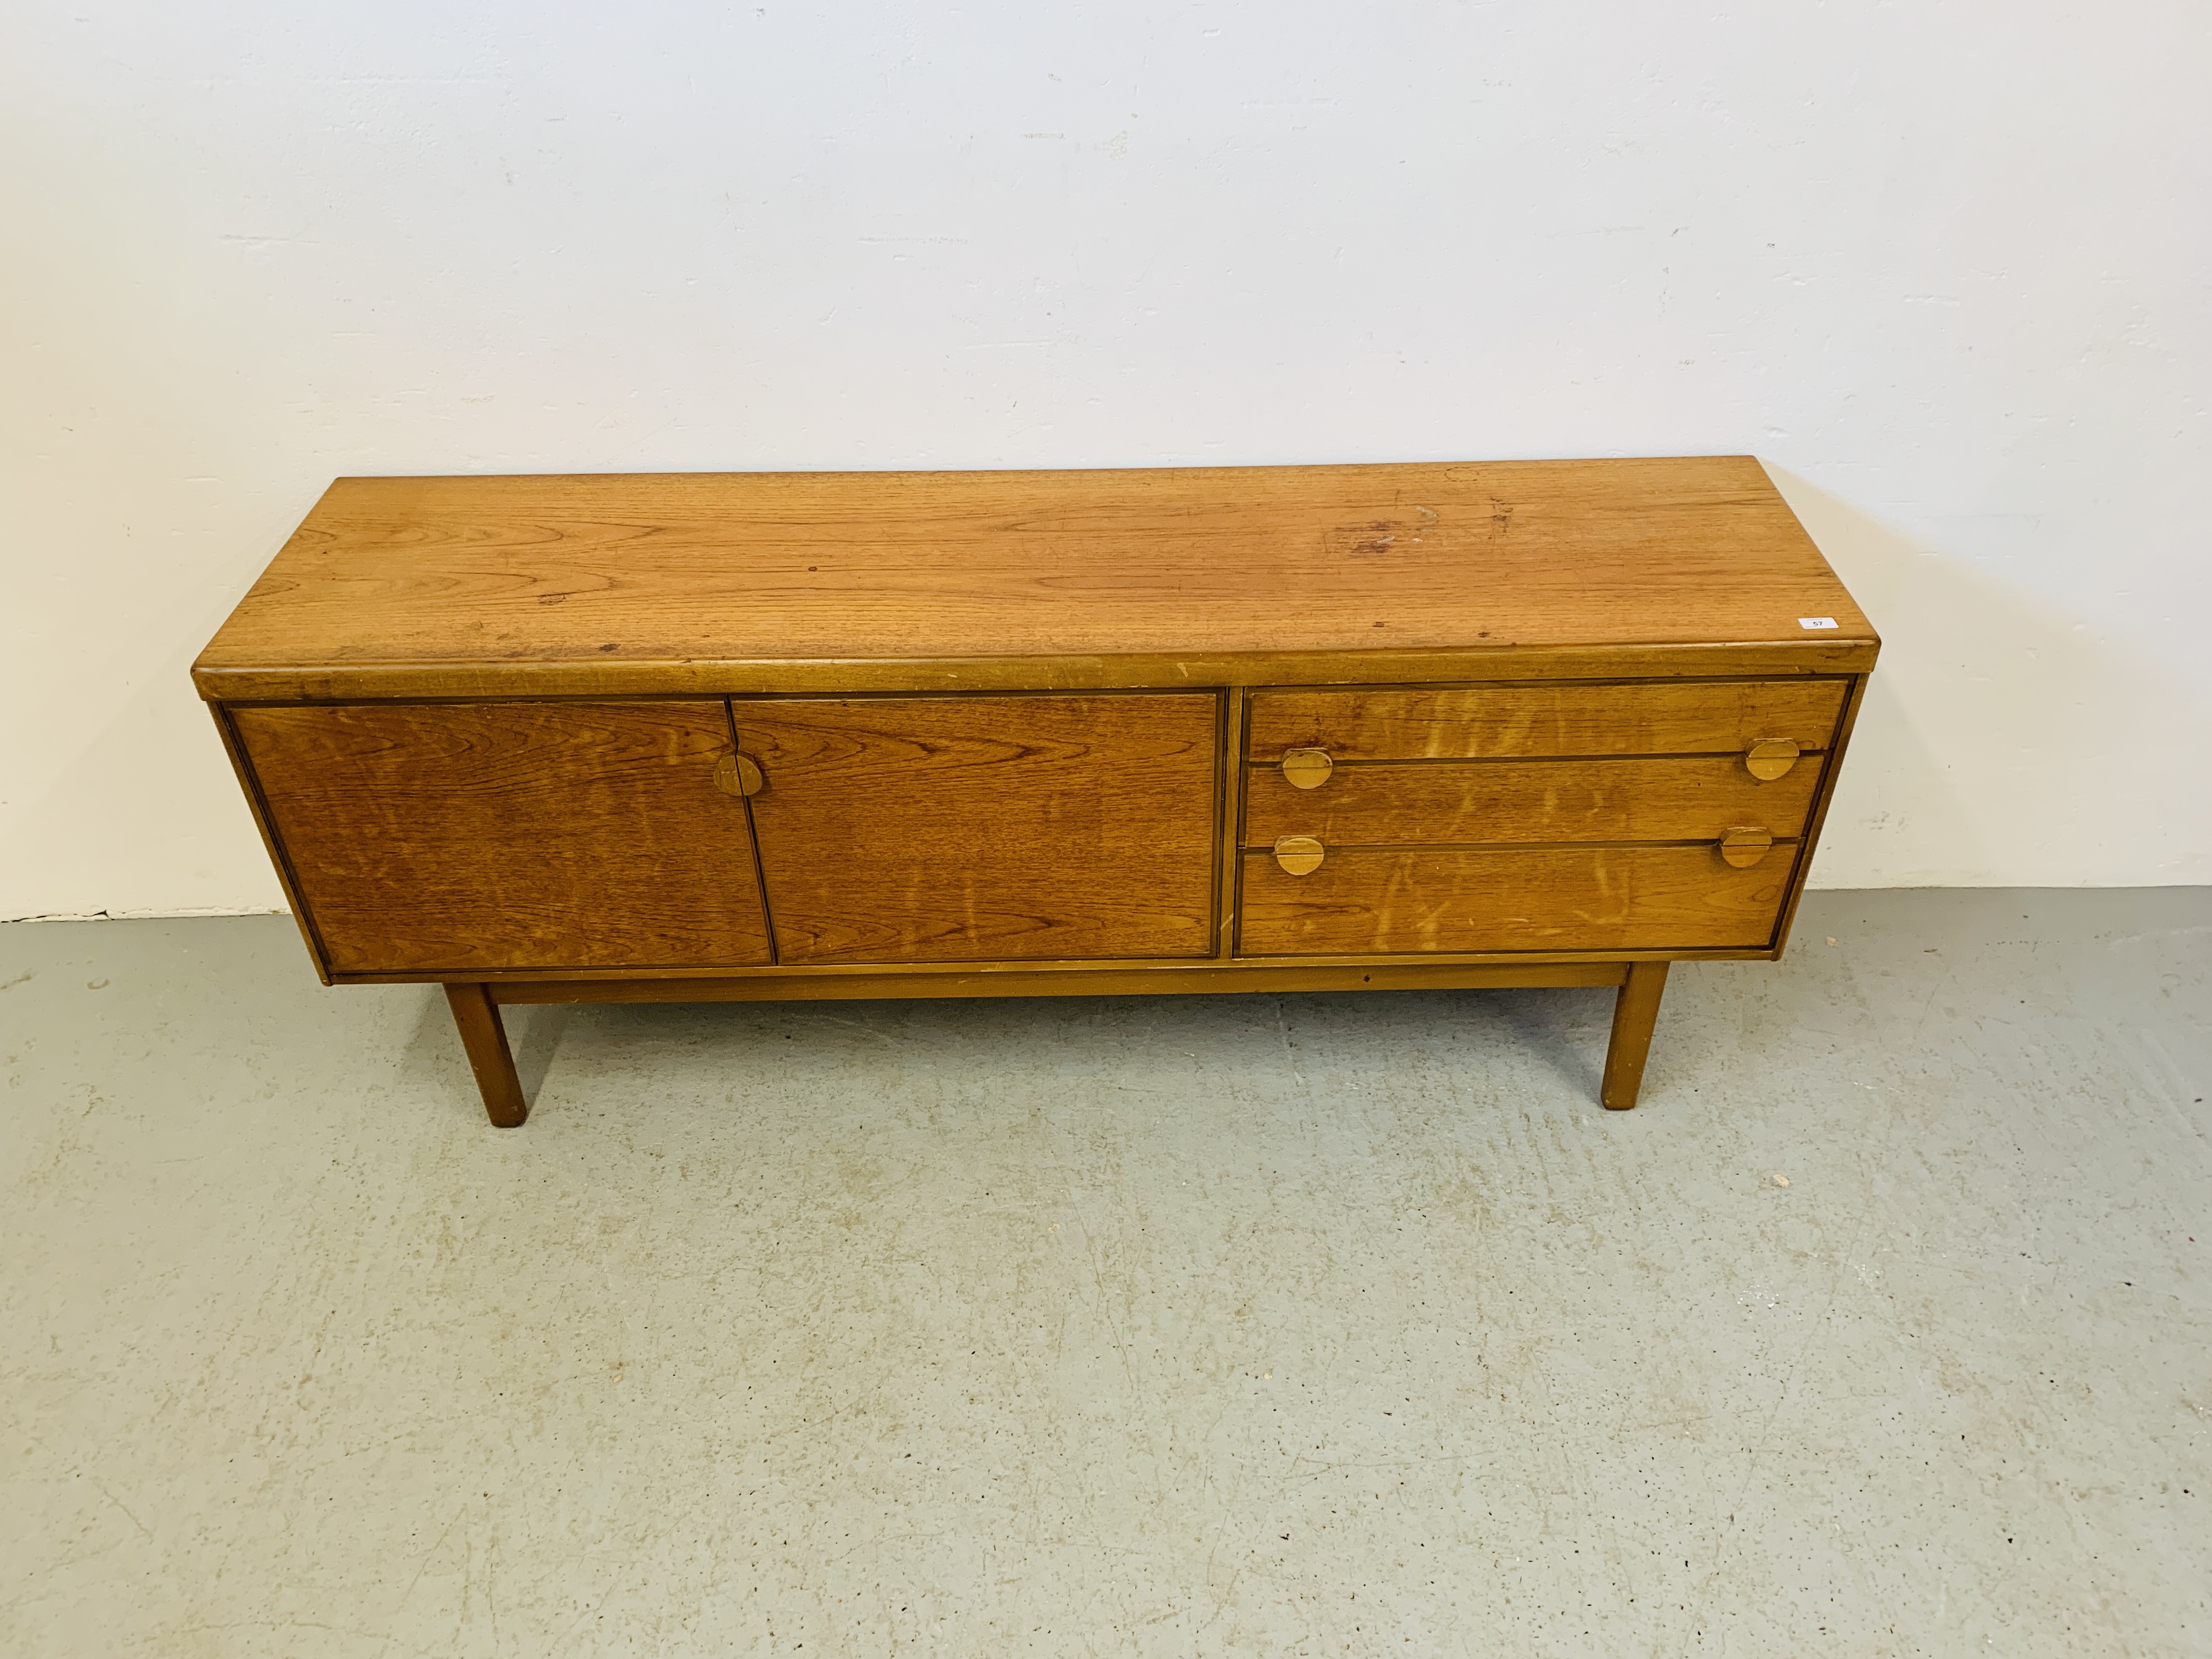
(1242, 1325)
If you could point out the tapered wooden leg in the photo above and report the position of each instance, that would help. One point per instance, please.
(1635, 1009)
(485, 1039)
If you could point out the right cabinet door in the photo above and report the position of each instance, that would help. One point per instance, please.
(1574, 816)
(986, 828)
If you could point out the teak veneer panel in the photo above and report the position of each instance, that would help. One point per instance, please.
(1642, 800)
(1484, 721)
(456, 840)
(1531, 898)
(638, 584)
(947, 829)
(752, 735)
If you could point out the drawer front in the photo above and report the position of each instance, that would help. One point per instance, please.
(461, 840)
(987, 828)
(1387, 804)
(1522, 898)
(1645, 717)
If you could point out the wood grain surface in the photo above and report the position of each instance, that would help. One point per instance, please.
(1538, 898)
(1484, 721)
(452, 840)
(1391, 805)
(949, 829)
(636, 584)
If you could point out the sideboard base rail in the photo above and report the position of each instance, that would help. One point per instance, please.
(1640, 985)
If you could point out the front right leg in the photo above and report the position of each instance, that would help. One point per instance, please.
(1635, 1011)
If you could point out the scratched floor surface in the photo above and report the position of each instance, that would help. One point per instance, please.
(1246, 1325)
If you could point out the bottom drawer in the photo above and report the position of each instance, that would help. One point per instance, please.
(1522, 898)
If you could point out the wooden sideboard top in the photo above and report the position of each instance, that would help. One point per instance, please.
(657, 584)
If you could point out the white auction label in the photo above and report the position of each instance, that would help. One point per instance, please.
(1816, 622)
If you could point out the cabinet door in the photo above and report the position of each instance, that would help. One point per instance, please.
(967, 829)
(458, 839)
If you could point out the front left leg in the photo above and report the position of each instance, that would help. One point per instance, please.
(485, 1039)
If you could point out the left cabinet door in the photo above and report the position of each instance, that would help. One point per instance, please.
(459, 840)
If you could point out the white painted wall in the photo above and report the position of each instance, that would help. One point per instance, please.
(1942, 265)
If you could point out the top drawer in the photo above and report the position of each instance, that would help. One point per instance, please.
(1641, 717)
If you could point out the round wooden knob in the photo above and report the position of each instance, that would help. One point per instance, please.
(738, 775)
(1744, 848)
(1307, 769)
(1299, 856)
(1770, 758)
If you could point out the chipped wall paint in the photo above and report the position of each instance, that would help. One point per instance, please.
(1942, 266)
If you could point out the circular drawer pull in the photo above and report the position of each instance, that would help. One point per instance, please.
(1770, 758)
(1307, 769)
(738, 775)
(1299, 856)
(1744, 848)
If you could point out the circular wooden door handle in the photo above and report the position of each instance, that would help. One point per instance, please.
(1307, 769)
(739, 774)
(1299, 856)
(1770, 758)
(1745, 846)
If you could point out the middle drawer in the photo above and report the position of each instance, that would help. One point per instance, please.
(1684, 798)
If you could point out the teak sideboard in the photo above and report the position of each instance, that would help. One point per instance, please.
(714, 737)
